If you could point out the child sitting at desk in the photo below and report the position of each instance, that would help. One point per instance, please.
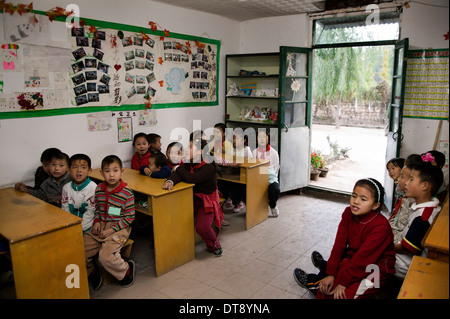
(114, 213)
(154, 140)
(141, 146)
(43, 171)
(221, 144)
(174, 153)
(51, 189)
(422, 186)
(206, 198)
(78, 196)
(240, 150)
(157, 166)
(265, 151)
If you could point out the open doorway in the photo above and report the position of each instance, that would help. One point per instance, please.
(352, 81)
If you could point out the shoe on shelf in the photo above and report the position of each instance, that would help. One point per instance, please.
(128, 280)
(228, 204)
(274, 211)
(239, 208)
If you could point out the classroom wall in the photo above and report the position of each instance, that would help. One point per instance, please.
(424, 25)
(23, 140)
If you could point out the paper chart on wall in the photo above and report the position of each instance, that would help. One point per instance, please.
(114, 67)
(427, 84)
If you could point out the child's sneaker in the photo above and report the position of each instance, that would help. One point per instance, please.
(274, 211)
(239, 208)
(128, 280)
(218, 252)
(228, 204)
(317, 259)
(301, 277)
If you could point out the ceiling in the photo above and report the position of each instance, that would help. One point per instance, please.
(242, 10)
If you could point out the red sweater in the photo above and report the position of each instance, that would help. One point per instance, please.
(137, 162)
(361, 241)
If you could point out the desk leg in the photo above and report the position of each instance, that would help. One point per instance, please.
(173, 224)
(39, 265)
(257, 200)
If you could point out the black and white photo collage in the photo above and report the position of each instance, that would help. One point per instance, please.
(90, 74)
(139, 65)
(200, 66)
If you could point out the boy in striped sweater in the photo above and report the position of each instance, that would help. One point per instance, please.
(114, 213)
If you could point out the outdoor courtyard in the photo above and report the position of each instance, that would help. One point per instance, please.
(366, 157)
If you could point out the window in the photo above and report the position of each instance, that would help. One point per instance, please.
(353, 29)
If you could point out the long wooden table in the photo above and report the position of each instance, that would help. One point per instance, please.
(173, 217)
(437, 241)
(46, 247)
(426, 279)
(254, 174)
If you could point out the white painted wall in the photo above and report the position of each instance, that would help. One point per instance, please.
(424, 25)
(23, 140)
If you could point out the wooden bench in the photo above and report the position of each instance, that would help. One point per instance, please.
(436, 241)
(426, 279)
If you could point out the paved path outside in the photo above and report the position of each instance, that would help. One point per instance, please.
(366, 157)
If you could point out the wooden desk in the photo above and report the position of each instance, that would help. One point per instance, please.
(43, 241)
(254, 173)
(437, 241)
(425, 279)
(173, 218)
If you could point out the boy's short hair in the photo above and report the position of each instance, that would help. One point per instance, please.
(160, 159)
(397, 162)
(108, 160)
(80, 157)
(140, 135)
(48, 154)
(431, 174)
(152, 137)
(61, 156)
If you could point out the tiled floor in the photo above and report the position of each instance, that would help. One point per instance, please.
(256, 263)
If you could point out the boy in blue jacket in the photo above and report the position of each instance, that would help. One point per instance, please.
(157, 167)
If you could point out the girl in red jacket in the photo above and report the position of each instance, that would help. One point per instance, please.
(363, 255)
(206, 197)
(142, 154)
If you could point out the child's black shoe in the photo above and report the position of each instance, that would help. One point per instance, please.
(128, 280)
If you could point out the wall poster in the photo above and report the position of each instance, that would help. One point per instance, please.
(427, 84)
(116, 67)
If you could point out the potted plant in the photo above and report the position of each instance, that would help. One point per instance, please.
(323, 170)
(316, 157)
